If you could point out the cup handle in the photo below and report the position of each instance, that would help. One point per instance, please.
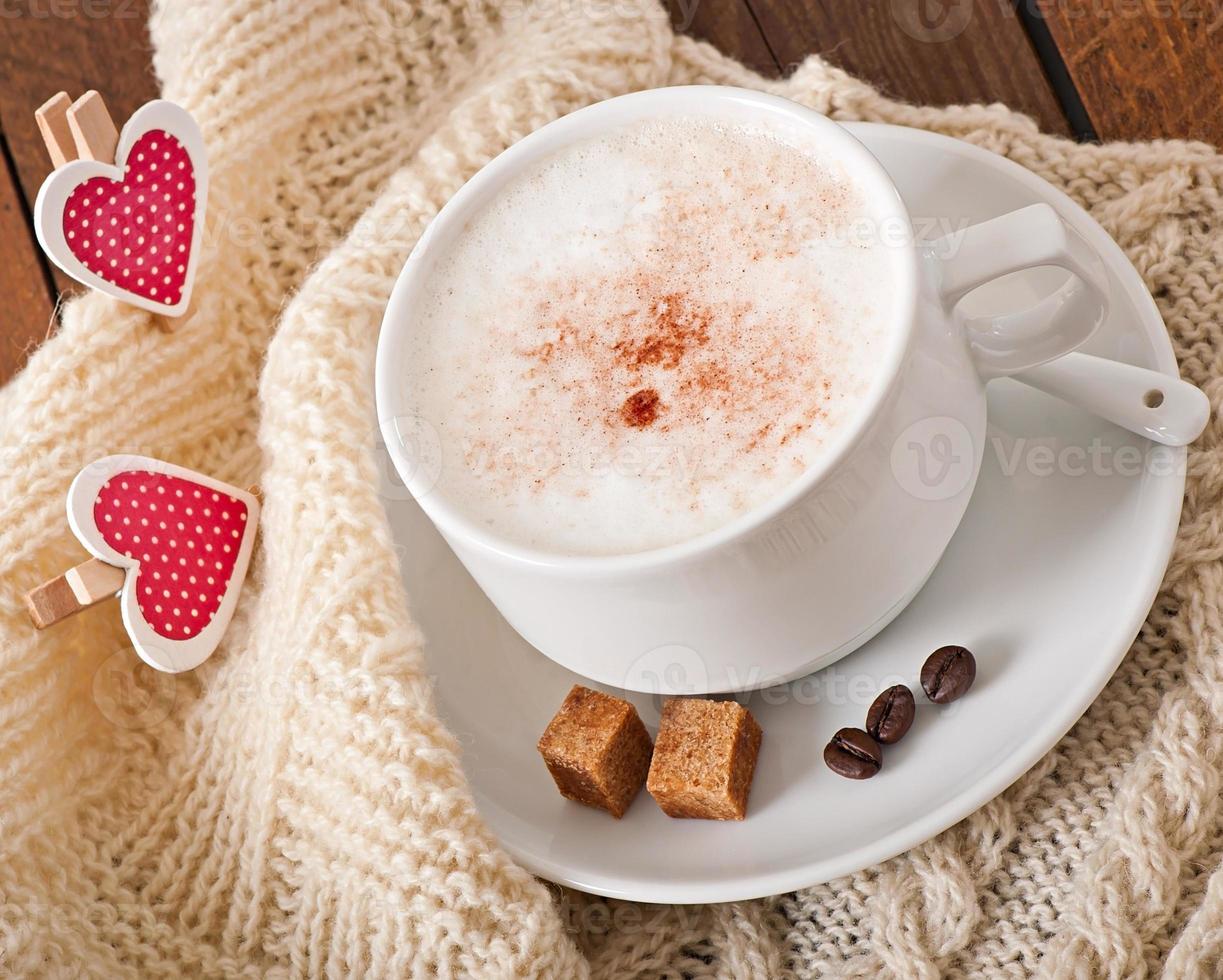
(1029, 238)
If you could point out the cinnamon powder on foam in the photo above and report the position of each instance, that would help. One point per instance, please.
(709, 341)
(652, 331)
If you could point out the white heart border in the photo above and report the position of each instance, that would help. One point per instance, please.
(60, 183)
(162, 653)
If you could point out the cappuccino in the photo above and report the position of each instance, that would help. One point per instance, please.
(649, 334)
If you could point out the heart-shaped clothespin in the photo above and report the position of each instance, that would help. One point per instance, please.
(123, 212)
(175, 545)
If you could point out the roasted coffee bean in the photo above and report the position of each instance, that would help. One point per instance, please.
(948, 673)
(853, 754)
(891, 715)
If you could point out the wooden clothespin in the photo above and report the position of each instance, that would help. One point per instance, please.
(93, 131)
(80, 130)
(78, 588)
(174, 545)
(52, 119)
(123, 212)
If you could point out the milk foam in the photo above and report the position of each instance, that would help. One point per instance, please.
(649, 334)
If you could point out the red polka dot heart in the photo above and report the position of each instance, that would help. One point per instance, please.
(136, 233)
(186, 540)
(132, 229)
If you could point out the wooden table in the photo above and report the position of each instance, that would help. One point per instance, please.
(1091, 69)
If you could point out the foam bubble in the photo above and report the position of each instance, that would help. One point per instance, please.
(649, 334)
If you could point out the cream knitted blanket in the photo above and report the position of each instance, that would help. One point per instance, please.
(294, 807)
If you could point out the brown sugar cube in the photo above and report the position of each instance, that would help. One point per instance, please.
(704, 759)
(597, 750)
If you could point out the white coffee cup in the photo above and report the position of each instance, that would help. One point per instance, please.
(803, 580)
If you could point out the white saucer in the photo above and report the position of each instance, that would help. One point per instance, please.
(1047, 580)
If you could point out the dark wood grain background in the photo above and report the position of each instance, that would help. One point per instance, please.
(1089, 69)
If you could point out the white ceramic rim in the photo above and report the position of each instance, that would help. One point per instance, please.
(674, 100)
(1046, 732)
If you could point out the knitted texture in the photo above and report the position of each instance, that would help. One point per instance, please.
(293, 807)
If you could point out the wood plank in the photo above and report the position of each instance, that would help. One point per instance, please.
(24, 281)
(1144, 69)
(729, 26)
(69, 46)
(939, 52)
